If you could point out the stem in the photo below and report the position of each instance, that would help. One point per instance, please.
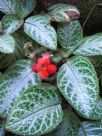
(89, 15)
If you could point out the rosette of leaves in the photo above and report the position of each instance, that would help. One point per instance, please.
(30, 106)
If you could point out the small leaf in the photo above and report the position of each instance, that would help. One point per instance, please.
(11, 23)
(17, 79)
(39, 29)
(25, 7)
(77, 81)
(8, 6)
(70, 34)
(36, 112)
(7, 59)
(63, 12)
(7, 44)
(90, 46)
(69, 125)
(91, 128)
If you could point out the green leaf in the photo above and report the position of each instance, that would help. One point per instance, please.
(69, 125)
(7, 44)
(97, 112)
(91, 128)
(7, 59)
(63, 12)
(1, 130)
(36, 112)
(25, 7)
(90, 46)
(8, 6)
(39, 29)
(70, 34)
(77, 81)
(16, 80)
(11, 23)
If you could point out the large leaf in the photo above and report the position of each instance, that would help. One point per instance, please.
(63, 12)
(25, 7)
(90, 46)
(77, 81)
(8, 6)
(7, 59)
(90, 128)
(7, 44)
(18, 78)
(39, 29)
(11, 23)
(70, 34)
(69, 125)
(36, 112)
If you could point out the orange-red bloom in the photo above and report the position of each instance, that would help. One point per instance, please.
(44, 67)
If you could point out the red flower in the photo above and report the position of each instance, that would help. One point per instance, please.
(44, 67)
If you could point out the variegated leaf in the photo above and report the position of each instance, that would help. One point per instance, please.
(36, 112)
(17, 79)
(11, 23)
(90, 46)
(63, 12)
(8, 6)
(97, 112)
(7, 59)
(39, 29)
(91, 128)
(7, 44)
(25, 7)
(69, 125)
(70, 34)
(77, 81)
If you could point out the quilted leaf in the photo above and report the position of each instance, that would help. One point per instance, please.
(8, 6)
(39, 29)
(90, 46)
(70, 34)
(17, 79)
(7, 59)
(25, 7)
(69, 125)
(36, 112)
(7, 44)
(11, 23)
(97, 112)
(90, 128)
(77, 81)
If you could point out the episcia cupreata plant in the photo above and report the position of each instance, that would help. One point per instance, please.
(50, 80)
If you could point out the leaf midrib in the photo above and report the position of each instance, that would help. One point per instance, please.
(74, 76)
(35, 26)
(32, 112)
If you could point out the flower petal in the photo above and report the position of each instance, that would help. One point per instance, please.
(46, 55)
(44, 61)
(51, 69)
(35, 68)
(43, 74)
